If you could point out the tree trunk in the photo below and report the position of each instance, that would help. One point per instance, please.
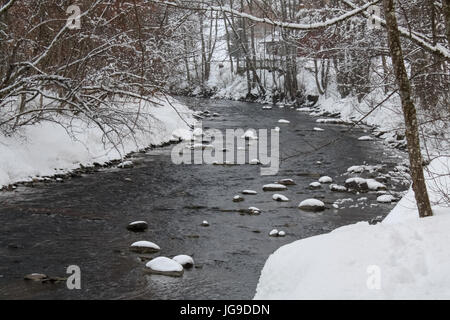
(409, 112)
(446, 11)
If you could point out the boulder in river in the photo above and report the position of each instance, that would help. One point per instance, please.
(337, 188)
(125, 165)
(273, 233)
(315, 185)
(186, 261)
(286, 182)
(386, 198)
(254, 211)
(144, 247)
(274, 187)
(36, 277)
(357, 184)
(138, 226)
(164, 266)
(325, 179)
(280, 198)
(205, 223)
(311, 205)
(238, 198)
(249, 192)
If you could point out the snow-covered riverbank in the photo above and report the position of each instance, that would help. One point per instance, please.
(50, 148)
(404, 257)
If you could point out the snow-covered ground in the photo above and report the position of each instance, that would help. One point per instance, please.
(403, 257)
(48, 148)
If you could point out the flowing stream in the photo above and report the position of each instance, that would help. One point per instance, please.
(82, 221)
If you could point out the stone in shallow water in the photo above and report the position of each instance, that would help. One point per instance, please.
(144, 247)
(325, 179)
(164, 266)
(273, 233)
(125, 165)
(286, 182)
(312, 205)
(249, 192)
(387, 198)
(238, 199)
(185, 260)
(205, 223)
(337, 188)
(137, 226)
(36, 277)
(274, 187)
(358, 184)
(280, 198)
(315, 185)
(254, 211)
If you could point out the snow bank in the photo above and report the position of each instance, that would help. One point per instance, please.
(411, 259)
(437, 176)
(41, 149)
(402, 258)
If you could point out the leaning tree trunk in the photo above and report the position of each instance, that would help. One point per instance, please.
(409, 111)
(446, 11)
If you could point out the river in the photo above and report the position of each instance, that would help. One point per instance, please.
(82, 221)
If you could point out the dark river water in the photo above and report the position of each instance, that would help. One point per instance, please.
(83, 220)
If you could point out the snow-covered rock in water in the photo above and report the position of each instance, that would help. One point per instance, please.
(250, 192)
(286, 182)
(238, 198)
(358, 184)
(250, 134)
(356, 169)
(255, 162)
(374, 185)
(254, 211)
(312, 205)
(331, 121)
(186, 261)
(386, 198)
(284, 121)
(337, 188)
(144, 247)
(325, 179)
(274, 187)
(281, 106)
(273, 233)
(318, 129)
(277, 129)
(305, 109)
(281, 233)
(125, 165)
(36, 277)
(315, 185)
(267, 108)
(205, 223)
(138, 226)
(365, 138)
(165, 266)
(280, 198)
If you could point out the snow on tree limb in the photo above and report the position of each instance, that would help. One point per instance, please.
(288, 25)
(417, 38)
(5, 7)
